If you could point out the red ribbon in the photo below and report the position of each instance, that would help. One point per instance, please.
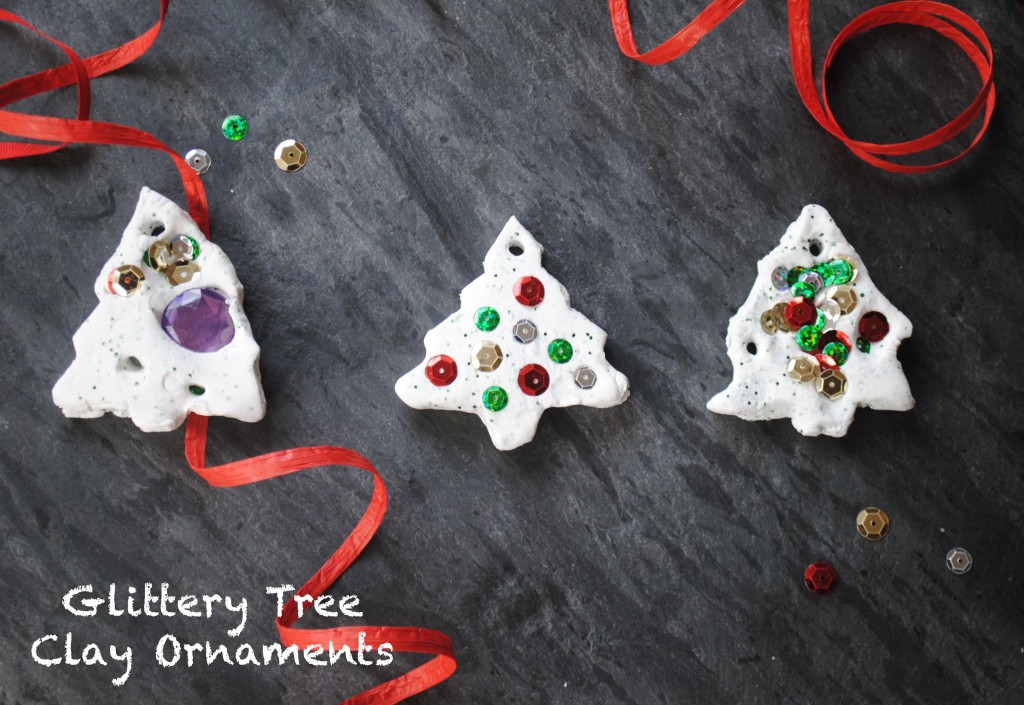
(241, 472)
(947, 21)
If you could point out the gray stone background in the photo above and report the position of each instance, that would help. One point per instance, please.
(650, 553)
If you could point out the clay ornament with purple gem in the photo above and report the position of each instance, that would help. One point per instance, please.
(169, 335)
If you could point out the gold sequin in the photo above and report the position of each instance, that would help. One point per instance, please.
(873, 524)
(487, 356)
(853, 266)
(831, 384)
(290, 155)
(125, 280)
(844, 295)
(182, 273)
(160, 256)
(803, 368)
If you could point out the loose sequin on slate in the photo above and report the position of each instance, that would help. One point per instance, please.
(873, 524)
(235, 127)
(290, 155)
(820, 578)
(959, 560)
(199, 160)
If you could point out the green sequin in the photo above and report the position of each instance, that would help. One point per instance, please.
(195, 246)
(864, 345)
(793, 276)
(807, 338)
(196, 389)
(560, 351)
(803, 289)
(235, 127)
(146, 261)
(495, 398)
(487, 319)
(820, 321)
(837, 351)
(825, 270)
(841, 270)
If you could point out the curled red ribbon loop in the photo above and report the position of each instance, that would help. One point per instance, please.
(242, 472)
(939, 17)
(64, 132)
(402, 639)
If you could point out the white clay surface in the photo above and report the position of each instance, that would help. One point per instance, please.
(124, 330)
(761, 388)
(457, 336)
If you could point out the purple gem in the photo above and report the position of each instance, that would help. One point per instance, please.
(199, 320)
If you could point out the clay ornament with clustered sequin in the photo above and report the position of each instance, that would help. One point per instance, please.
(815, 338)
(168, 336)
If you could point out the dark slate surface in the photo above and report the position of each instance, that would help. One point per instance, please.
(650, 553)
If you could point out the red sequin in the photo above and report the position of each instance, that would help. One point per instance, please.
(441, 370)
(874, 326)
(820, 578)
(529, 291)
(534, 380)
(826, 362)
(834, 336)
(800, 312)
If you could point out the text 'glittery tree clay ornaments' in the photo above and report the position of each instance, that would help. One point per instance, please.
(514, 349)
(168, 336)
(815, 339)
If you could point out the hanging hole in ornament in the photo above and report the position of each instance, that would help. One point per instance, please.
(129, 364)
(815, 247)
(515, 249)
(157, 231)
(752, 348)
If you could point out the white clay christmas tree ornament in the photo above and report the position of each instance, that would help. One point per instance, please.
(791, 343)
(169, 335)
(514, 349)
